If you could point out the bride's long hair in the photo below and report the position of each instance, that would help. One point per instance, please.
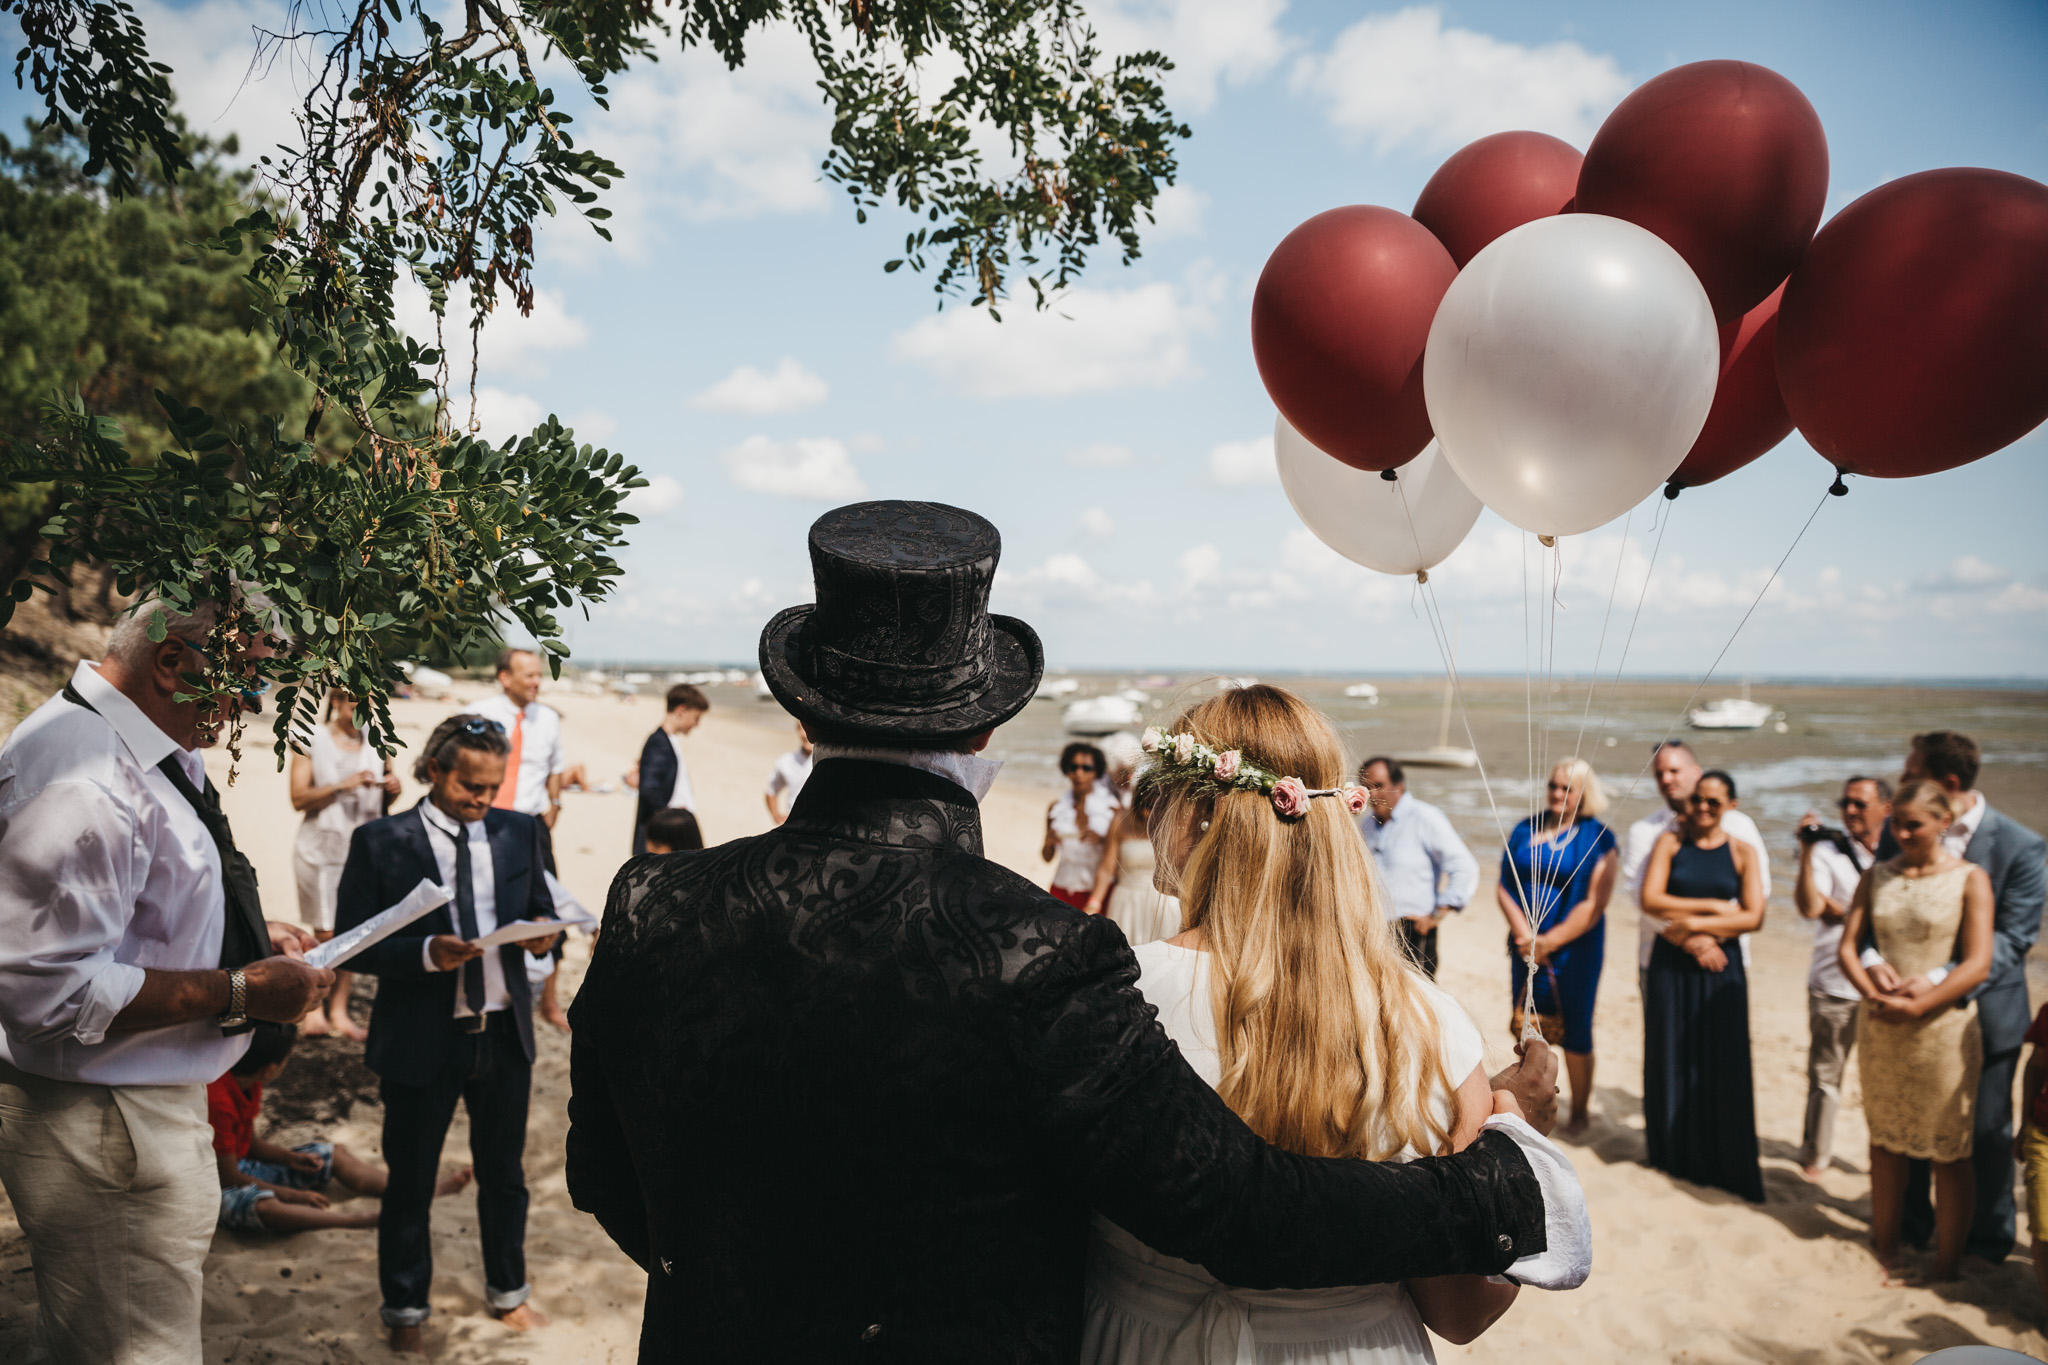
(1328, 1045)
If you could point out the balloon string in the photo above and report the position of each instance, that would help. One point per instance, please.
(1683, 710)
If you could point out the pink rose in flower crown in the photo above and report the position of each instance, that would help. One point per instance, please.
(1355, 800)
(1183, 748)
(1227, 765)
(1290, 797)
(1149, 741)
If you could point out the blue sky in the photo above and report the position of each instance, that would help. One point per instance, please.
(741, 343)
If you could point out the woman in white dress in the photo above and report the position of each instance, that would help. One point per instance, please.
(1077, 824)
(340, 783)
(1123, 884)
(1289, 994)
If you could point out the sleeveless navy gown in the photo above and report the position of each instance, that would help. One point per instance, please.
(1699, 1100)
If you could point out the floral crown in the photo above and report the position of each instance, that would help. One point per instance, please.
(1183, 758)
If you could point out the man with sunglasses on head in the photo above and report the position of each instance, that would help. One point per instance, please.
(1831, 862)
(453, 1020)
(1677, 770)
(133, 954)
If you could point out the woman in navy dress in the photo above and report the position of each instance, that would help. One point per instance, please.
(1699, 1099)
(1565, 860)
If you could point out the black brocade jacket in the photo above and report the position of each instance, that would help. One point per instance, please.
(848, 1092)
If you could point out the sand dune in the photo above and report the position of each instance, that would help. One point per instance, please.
(1680, 1273)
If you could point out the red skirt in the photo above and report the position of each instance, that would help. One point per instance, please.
(1077, 899)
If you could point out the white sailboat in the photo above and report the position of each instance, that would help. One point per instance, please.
(1731, 713)
(1442, 754)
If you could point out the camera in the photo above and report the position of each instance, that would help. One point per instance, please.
(1823, 834)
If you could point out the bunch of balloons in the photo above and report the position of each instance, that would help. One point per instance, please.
(1564, 334)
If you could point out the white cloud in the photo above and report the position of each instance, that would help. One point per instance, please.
(1097, 522)
(661, 495)
(499, 413)
(594, 427)
(1089, 341)
(509, 342)
(816, 467)
(1211, 42)
(1099, 456)
(1177, 212)
(1965, 574)
(1070, 580)
(211, 50)
(750, 391)
(1404, 79)
(1237, 464)
(1199, 565)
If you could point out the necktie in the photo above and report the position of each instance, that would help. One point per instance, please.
(508, 790)
(465, 914)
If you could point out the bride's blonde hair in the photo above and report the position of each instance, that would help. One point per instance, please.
(1328, 1045)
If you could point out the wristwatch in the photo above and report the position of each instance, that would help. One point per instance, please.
(238, 1000)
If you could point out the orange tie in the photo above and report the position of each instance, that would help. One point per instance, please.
(509, 791)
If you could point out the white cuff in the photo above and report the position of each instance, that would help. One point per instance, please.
(1871, 957)
(1937, 975)
(1568, 1259)
(427, 953)
(106, 995)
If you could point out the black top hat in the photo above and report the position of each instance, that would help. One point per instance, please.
(900, 645)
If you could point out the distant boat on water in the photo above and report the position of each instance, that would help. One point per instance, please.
(1101, 715)
(1442, 754)
(1732, 713)
(1364, 692)
(1052, 689)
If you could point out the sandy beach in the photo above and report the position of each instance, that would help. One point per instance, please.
(1681, 1273)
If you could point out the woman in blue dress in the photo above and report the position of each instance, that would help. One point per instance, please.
(1564, 860)
(1699, 1097)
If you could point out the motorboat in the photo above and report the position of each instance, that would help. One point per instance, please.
(1364, 692)
(430, 683)
(1054, 689)
(1101, 715)
(1731, 713)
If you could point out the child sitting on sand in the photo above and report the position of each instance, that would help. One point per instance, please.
(268, 1188)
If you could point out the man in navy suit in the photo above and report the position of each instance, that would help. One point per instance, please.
(452, 1020)
(2016, 860)
(664, 780)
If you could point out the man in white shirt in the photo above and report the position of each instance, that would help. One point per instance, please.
(1426, 868)
(452, 1019)
(1831, 863)
(788, 777)
(1677, 770)
(130, 944)
(533, 773)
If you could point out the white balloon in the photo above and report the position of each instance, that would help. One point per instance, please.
(1364, 517)
(1570, 367)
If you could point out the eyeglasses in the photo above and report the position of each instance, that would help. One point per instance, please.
(1080, 767)
(1851, 803)
(1560, 786)
(478, 725)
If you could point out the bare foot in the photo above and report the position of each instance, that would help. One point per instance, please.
(452, 1184)
(1576, 1127)
(343, 1026)
(314, 1025)
(524, 1318)
(1813, 1173)
(408, 1341)
(556, 1015)
(1896, 1271)
(1978, 1265)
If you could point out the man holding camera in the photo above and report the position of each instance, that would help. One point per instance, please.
(1831, 862)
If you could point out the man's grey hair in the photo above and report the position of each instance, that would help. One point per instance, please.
(130, 642)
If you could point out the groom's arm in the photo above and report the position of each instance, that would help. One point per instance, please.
(1150, 1146)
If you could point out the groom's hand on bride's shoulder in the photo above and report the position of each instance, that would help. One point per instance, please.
(1528, 1089)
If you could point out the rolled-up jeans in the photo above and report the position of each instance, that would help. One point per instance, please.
(117, 1191)
(1832, 1023)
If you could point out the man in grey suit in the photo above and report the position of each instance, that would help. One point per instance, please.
(2016, 860)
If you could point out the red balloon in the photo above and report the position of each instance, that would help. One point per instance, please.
(1494, 184)
(1726, 161)
(1914, 337)
(1339, 321)
(1748, 416)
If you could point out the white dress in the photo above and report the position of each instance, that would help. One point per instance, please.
(1139, 909)
(1074, 873)
(321, 848)
(1147, 1308)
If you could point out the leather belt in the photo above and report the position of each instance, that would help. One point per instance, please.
(473, 1023)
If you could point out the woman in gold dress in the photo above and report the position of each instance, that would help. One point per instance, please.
(1927, 909)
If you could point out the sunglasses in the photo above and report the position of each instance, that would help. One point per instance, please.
(1851, 803)
(1080, 767)
(477, 725)
(1710, 802)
